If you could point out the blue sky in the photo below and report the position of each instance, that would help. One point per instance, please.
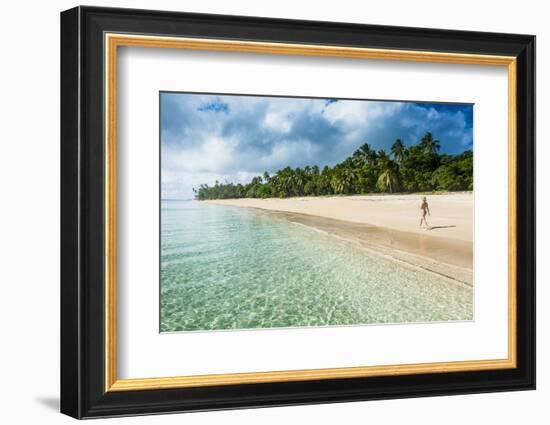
(234, 138)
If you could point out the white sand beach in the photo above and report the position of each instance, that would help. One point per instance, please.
(389, 224)
(451, 213)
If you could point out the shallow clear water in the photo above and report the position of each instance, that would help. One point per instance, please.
(235, 268)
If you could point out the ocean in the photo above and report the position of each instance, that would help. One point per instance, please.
(225, 267)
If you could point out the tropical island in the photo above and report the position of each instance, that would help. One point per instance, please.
(335, 232)
(407, 169)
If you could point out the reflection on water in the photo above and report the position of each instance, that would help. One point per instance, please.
(234, 268)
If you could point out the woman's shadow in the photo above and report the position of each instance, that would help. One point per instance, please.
(439, 227)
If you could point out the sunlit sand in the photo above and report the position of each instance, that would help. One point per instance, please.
(389, 224)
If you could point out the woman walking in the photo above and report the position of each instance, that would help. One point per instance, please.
(425, 210)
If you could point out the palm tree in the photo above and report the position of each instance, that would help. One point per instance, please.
(298, 181)
(429, 144)
(398, 150)
(256, 180)
(412, 168)
(382, 158)
(349, 177)
(387, 181)
(370, 154)
(364, 155)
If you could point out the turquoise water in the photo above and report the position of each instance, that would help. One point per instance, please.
(236, 268)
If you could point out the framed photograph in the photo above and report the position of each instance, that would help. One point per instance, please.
(260, 212)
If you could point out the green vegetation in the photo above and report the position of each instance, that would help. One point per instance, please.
(417, 168)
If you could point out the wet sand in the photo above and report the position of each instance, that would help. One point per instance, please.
(388, 225)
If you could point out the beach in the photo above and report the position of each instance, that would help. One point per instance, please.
(236, 267)
(388, 225)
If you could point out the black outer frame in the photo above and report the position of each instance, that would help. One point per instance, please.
(82, 219)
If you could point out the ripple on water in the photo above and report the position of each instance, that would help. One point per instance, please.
(234, 268)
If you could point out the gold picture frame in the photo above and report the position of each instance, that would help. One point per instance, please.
(114, 41)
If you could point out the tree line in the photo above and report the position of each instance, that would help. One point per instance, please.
(416, 168)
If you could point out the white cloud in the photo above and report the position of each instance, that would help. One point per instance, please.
(233, 138)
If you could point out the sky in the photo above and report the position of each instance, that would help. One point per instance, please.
(231, 138)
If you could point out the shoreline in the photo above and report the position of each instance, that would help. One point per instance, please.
(446, 250)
